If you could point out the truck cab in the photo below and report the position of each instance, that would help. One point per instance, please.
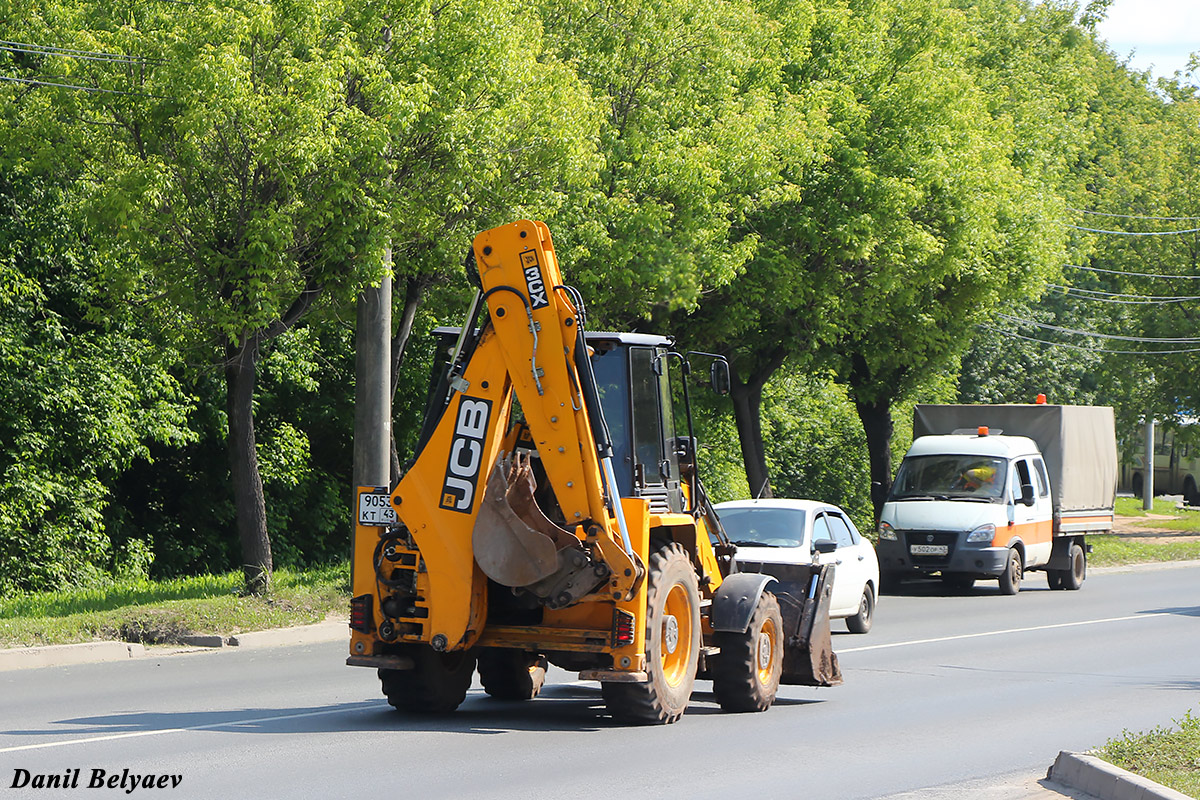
(966, 506)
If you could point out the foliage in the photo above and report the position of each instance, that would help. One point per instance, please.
(82, 394)
(162, 612)
(1167, 755)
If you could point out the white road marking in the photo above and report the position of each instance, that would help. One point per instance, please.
(210, 726)
(1005, 632)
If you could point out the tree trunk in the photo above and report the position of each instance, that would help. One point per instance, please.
(241, 361)
(747, 405)
(413, 291)
(876, 420)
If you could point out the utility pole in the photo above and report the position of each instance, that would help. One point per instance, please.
(1148, 477)
(372, 376)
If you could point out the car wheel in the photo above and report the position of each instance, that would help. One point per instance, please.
(861, 622)
(1010, 580)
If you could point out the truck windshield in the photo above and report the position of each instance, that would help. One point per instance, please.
(949, 477)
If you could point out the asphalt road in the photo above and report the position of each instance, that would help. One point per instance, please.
(967, 690)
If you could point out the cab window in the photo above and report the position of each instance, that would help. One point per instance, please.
(1043, 482)
(842, 533)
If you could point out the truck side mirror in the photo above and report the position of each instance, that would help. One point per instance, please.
(719, 376)
(1027, 496)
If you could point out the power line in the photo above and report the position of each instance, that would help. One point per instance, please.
(107, 58)
(92, 89)
(1134, 274)
(1133, 233)
(68, 52)
(1128, 216)
(1069, 346)
(1111, 297)
(1076, 332)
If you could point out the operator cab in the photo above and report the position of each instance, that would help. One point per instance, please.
(633, 381)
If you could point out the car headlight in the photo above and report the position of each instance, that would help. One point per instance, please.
(984, 533)
(886, 531)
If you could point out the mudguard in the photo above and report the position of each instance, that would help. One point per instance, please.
(736, 598)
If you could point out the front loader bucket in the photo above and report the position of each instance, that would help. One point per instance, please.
(513, 541)
(804, 593)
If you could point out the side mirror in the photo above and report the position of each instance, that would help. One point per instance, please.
(719, 376)
(1027, 496)
(825, 546)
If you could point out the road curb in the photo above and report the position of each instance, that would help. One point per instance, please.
(301, 634)
(60, 655)
(65, 654)
(1097, 777)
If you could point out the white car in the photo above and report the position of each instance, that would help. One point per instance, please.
(787, 532)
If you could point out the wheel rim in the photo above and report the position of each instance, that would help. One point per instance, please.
(864, 606)
(1078, 566)
(768, 638)
(676, 635)
(1015, 569)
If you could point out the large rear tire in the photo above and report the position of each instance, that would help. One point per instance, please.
(1010, 580)
(672, 644)
(508, 674)
(1072, 578)
(746, 672)
(437, 683)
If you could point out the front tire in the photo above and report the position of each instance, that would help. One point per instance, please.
(746, 672)
(861, 622)
(1010, 580)
(437, 683)
(672, 644)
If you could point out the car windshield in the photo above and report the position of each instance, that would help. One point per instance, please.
(763, 527)
(949, 477)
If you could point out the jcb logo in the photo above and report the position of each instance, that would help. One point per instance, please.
(533, 280)
(466, 455)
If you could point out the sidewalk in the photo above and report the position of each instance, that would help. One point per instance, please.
(93, 652)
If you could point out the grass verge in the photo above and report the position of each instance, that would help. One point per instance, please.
(162, 612)
(1112, 551)
(1132, 507)
(1169, 756)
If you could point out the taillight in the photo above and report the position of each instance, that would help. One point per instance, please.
(361, 618)
(623, 628)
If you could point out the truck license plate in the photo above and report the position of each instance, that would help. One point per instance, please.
(928, 549)
(375, 508)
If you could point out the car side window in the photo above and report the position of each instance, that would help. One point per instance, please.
(1039, 469)
(841, 531)
(821, 532)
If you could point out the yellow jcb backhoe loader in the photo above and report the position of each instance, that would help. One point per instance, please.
(552, 515)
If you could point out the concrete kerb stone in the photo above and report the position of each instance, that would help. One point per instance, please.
(65, 654)
(91, 652)
(1107, 782)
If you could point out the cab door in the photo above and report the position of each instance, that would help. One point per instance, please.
(1030, 511)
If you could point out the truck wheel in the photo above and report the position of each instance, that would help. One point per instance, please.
(437, 684)
(745, 674)
(1010, 580)
(508, 674)
(672, 644)
(1054, 577)
(861, 622)
(1072, 579)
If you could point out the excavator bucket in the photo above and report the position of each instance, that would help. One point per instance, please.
(514, 543)
(804, 593)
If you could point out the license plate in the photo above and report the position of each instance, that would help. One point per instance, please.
(929, 549)
(375, 508)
